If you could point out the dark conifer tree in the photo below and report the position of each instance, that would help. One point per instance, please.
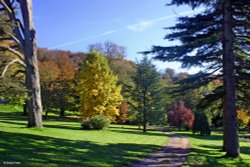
(146, 92)
(216, 41)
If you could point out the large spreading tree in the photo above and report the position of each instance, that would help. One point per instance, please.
(217, 40)
(98, 88)
(22, 42)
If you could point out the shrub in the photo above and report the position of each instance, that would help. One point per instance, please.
(85, 125)
(99, 122)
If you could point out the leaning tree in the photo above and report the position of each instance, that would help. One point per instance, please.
(21, 41)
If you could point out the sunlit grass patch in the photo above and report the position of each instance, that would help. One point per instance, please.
(62, 142)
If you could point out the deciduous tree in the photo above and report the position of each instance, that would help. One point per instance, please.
(23, 37)
(109, 50)
(98, 88)
(243, 118)
(180, 116)
(58, 81)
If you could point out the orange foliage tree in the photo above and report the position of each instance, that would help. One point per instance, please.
(58, 70)
(123, 113)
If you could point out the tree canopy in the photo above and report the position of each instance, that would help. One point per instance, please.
(217, 41)
(98, 88)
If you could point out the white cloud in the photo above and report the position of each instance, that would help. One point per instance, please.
(108, 32)
(145, 24)
(140, 26)
(83, 39)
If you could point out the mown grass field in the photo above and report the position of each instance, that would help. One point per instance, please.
(206, 151)
(62, 142)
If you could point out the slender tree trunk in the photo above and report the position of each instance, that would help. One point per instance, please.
(46, 114)
(25, 112)
(144, 122)
(25, 106)
(144, 113)
(139, 126)
(231, 143)
(32, 73)
(62, 112)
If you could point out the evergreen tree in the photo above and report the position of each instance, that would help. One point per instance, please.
(146, 92)
(98, 88)
(201, 124)
(217, 41)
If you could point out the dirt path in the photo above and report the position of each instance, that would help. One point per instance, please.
(173, 155)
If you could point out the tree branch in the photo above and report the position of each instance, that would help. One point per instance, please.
(13, 18)
(4, 39)
(16, 40)
(6, 7)
(18, 54)
(10, 63)
(20, 25)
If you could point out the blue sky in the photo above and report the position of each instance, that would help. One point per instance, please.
(135, 24)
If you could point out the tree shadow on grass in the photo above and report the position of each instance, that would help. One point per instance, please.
(14, 115)
(138, 132)
(11, 115)
(210, 155)
(34, 150)
(47, 124)
(197, 136)
(64, 126)
(245, 150)
(125, 127)
(14, 118)
(64, 119)
(13, 122)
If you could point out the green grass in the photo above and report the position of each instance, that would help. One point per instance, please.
(62, 142)
(206, 151)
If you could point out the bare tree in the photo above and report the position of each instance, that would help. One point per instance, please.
(24, 46)
(109, 50)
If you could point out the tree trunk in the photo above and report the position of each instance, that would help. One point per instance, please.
(144, 122)
(62, 112)
(25, 112)
(32, 74)
(25, 106)
(231, 143)
(46, 114)
(144, 113)
(224, 109)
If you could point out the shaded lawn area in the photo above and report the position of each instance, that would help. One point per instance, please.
(62, 143)
(206, 151)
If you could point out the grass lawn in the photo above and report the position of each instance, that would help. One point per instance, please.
(206, 151)
(62, 143)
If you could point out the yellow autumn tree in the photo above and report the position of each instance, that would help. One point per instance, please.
(97, 87)
(243, 118)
